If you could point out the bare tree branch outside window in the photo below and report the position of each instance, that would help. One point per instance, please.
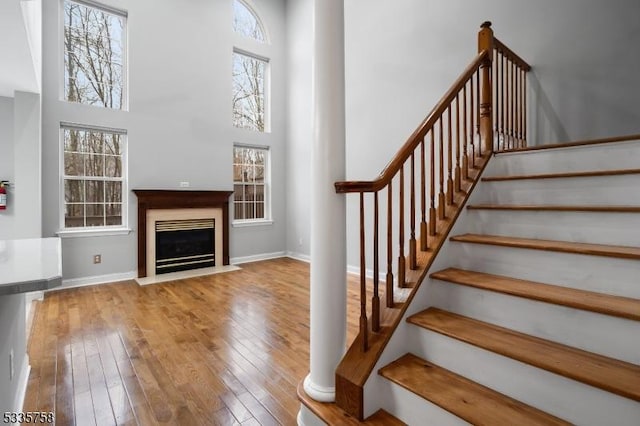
(249, 182)
(93, 56)
(248, 92)
(246, 23)
(93, 178)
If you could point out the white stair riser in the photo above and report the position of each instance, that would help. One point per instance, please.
(602, 334)
(413, 409)
(621, 155)
(592, 273)
(600, 191)
(583, 227)
(568, 399)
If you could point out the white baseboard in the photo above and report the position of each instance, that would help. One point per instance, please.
(256, 257)
(97, 279)
(351, 269)
(355, 270)
(299, 256)
(22, 386)
(124, 276)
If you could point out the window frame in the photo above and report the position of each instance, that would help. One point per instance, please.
(257, 16)
(267, 219)
(125, 49)
(266, 96)
(86, 231)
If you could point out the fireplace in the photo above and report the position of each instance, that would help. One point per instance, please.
(185, 244)
(181, 230)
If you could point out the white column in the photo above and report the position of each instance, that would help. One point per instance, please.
(328, 222)
(28, 165)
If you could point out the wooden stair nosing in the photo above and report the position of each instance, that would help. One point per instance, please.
(588, 173)
(556, 208)
(615, 376)
(571, 144)
(357, 366)
(621, 252)
(618, 306)
(462, 397)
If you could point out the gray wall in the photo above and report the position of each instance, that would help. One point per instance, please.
(402, 56)
(179, 119)
(27, 192)
(7, 217)
(299, 132)
(20, 164)
(400, 60)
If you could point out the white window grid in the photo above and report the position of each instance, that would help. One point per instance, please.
(241, 201)
(94, 179)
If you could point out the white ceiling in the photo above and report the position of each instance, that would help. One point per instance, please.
(17, 71)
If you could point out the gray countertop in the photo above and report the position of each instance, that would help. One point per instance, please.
(30, 265)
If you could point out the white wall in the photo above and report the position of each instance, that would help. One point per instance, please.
(179, 119)
(6, 165)
(401, 59)
(402, 56)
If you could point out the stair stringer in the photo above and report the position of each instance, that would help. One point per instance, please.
(376, 388)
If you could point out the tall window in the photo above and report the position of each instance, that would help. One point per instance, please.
(250, 183)
(94, 177)
(246, 22)
(249, 107)
(94, 55)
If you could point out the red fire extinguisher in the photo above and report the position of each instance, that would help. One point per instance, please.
(3, 195)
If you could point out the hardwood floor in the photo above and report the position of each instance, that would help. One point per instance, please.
(224, 349)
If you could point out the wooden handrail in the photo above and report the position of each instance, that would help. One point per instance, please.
(452, 146)
(510, 54)
(414, 140)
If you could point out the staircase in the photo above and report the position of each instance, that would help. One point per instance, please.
(506, 277)
(542, 325)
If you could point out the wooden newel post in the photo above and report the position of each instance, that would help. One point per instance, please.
(485, 42)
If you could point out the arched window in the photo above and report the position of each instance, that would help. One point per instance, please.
(246, 22)
(251, 111)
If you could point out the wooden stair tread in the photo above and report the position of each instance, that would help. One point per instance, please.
(356, 366)
(462, 397)
(588, 173)
(596, 209)
(331, 414)
(619, 377)
(622, 252)
(623, 307)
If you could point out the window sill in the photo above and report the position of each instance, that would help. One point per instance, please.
(82, 233)
(243, 224)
